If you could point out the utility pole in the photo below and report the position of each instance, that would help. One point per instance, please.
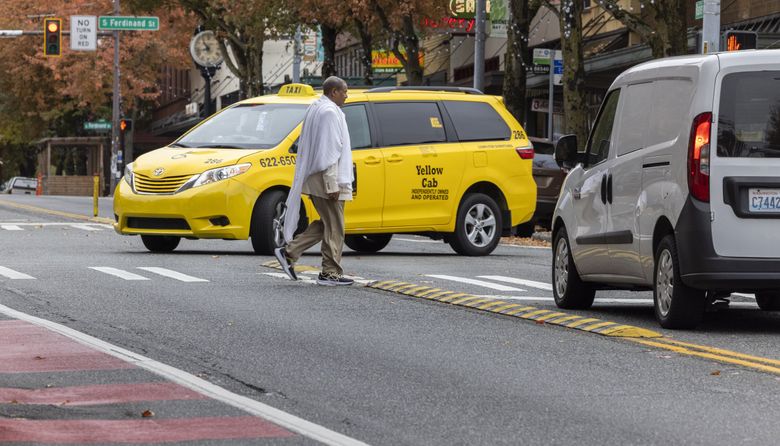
(115, 174)
(479, 47)
(710, 30)
(296, 66)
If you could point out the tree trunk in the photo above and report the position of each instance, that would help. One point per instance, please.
(574, 101)
(329, 46)
(414, 72)
(517, 59)
(672, 26)
(253, 83)
(366, 47)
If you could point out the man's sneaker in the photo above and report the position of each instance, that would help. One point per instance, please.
(284, 262)
(333, 280)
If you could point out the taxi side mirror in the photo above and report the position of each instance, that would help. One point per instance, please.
(566, 152)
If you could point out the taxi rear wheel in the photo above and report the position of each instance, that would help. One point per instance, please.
(367, 242)
(478, 228)
(160, 243)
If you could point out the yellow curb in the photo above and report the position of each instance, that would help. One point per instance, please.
(57, 213)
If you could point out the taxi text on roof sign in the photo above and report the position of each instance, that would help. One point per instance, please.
(296, 90)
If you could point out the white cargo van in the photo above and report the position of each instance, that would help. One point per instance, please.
(678, 188)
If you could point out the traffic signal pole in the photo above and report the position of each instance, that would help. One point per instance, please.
(115, 174)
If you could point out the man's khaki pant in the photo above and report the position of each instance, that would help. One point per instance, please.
(329, 230)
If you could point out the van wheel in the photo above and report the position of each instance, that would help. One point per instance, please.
(160, 243)
(768, 300)
(569, 290)
(676, 305)
(266, 230)
(478, 228)
(367, 242)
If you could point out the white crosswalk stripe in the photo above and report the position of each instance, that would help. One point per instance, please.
(122, 274)
(85, 227)
(11, 274)
(516, 281)
(172, 274)
(12, 227)
(492, 286)
(17, 226)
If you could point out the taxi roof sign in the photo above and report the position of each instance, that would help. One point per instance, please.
(296, 90)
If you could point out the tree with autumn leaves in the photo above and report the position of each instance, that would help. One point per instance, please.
(53, 96)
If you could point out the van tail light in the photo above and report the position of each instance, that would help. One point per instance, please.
(526, 153)
(699, 157)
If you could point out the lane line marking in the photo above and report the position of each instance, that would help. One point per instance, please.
(272, 414)
(16, 275)
(172, 274)
(85, 227)
(59, 213)
(493, 286)
(721, 351)
(12, 227)
(122, 274)
(516, 281)
(730, 359)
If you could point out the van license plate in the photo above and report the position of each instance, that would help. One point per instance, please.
(764, 200)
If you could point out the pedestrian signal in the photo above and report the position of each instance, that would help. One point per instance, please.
(741, 40)
(125, 125)
(52, 37)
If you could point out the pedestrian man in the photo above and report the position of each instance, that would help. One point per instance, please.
(323, 171)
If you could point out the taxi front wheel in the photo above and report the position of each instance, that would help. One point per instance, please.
(478, 228)
(266, 230)
(160, 243)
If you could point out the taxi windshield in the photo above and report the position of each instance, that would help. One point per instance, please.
(247, 126)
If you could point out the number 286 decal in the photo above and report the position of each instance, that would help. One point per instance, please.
(286, 160)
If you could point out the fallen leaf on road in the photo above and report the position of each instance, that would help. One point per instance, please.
(147, 413)
(539, 322)
(39, 357)
(214, 257)
(715, 373)
(14, 402)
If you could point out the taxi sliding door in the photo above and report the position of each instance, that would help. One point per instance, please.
(365, 209)
(423, 164)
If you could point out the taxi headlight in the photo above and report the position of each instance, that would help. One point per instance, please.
(221, 173)
(129, 174)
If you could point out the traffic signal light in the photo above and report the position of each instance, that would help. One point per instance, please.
(740, 40)
(52, 37)
(125, 125)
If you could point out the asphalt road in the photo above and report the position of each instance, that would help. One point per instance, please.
(390, 369)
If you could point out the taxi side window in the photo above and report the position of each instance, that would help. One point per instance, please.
(406, 123)
(477, 121)
(357, 123)
(600, 138)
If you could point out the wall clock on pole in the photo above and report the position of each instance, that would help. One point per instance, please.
(204, 49)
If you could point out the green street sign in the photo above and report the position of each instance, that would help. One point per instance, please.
(699, 10)
(97, 125)
(128, 23)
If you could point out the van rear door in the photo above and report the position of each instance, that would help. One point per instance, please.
(745, 161)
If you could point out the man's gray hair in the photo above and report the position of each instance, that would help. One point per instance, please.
(333, 83)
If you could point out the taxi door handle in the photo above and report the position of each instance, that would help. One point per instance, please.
(395, 158)
(372, 160)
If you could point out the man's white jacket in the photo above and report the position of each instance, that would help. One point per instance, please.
(324, 141)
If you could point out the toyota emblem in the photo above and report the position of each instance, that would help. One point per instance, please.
(158, 171)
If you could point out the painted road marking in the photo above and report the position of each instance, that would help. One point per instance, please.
(11, 274)
(510, 245)
(18, 226)
(93, 395)
(172, 274)
(495, 304)
(493, 286)
(122, 274)
(516, 281)
(253, 407)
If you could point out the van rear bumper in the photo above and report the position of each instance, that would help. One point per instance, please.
(702, 268)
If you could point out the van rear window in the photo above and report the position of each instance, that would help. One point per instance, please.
(749, 115)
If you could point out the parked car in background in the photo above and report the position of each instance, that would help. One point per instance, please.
(549, 177)
(20, 185)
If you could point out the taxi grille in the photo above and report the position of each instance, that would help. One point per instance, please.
(165, 185)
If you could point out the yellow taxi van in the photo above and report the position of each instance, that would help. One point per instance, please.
(446, 162)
